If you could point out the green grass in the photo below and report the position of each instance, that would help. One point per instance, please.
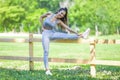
(15, 70)
(62, 50)
(108, 52)
(19, 70)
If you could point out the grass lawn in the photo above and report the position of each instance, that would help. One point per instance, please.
(62, 50)
(17, 70)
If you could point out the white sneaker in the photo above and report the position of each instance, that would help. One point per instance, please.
(86, 33)
(48, 72)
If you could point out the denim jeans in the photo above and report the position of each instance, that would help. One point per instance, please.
(48, 35)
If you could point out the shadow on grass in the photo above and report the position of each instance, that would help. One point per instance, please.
(103, 73)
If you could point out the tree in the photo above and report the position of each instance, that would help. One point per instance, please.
(11, 17)
(89, 13)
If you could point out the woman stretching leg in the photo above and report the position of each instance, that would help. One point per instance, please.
(50, 32)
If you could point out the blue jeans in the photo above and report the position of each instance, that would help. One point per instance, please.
(48, 35)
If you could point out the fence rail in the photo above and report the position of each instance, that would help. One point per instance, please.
(92, 61)
(100, 41)
(79, 61)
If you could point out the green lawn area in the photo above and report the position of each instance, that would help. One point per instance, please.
(18, 70)
(63, 50)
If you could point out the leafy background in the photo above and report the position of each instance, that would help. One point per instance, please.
(23, 15)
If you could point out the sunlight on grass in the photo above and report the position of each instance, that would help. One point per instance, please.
(17, 70)
(62, 50)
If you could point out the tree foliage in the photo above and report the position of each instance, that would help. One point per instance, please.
(89, 13)
(23, 15)
(16, 14)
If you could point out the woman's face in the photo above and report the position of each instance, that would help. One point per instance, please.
(61, 14)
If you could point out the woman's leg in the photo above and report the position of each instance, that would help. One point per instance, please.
(60, 35)
(45, 44)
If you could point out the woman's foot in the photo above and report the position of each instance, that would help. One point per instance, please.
(48, 72)
(86, 33)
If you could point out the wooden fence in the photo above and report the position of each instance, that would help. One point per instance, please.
(91, 61)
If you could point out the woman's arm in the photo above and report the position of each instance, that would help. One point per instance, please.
(42, 17)
(66, 27)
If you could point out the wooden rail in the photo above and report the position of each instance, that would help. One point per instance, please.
(92, 60)
(78, 61)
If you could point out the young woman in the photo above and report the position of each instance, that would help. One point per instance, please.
(50, 31)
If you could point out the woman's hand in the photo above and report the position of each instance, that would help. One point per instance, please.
(43, 29)
(80, 35)
(44, 16)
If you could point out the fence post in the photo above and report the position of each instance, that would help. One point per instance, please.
(92, 59)
(31, 63)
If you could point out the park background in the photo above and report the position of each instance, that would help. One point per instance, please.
(23, 16)
(20, 17)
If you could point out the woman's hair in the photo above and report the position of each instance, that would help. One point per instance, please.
(64, 19)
